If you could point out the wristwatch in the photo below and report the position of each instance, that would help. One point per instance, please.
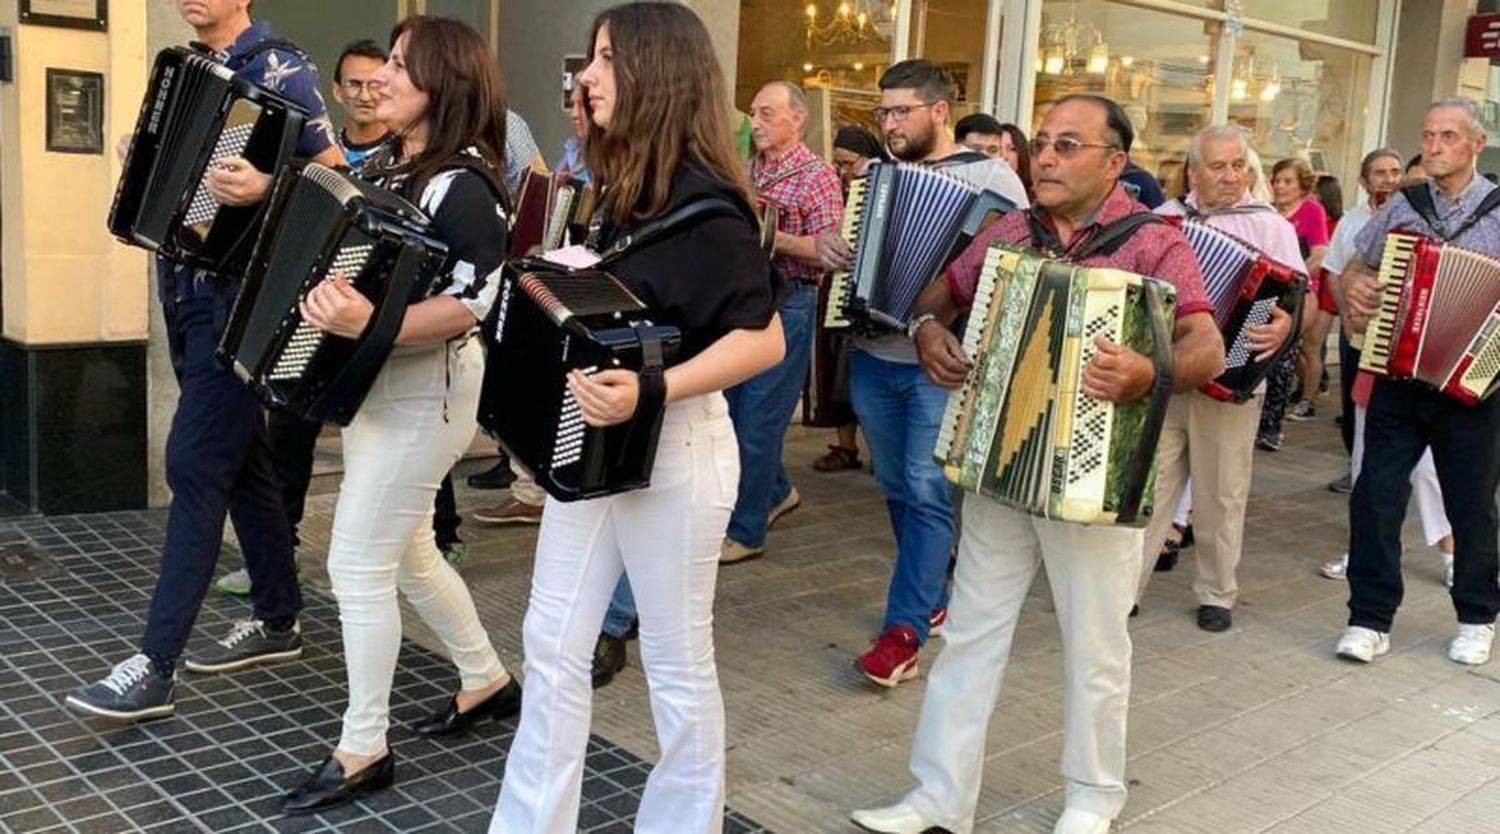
(916, 324)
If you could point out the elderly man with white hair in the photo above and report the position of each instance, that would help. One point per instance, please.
(1209, 440)
(1403, 418)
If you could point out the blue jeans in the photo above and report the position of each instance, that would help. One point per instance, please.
(900, 410)
(620, 617)
(761, 407)
(218, 462)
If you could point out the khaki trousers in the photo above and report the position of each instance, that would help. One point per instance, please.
(1213, 443)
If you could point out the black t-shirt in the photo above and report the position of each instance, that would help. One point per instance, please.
(466, 214)
(707, 280)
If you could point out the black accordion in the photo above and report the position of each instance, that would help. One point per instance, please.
(549, 322)
(319, 222)
(196, 113)
(905, 223)
(1243, 285)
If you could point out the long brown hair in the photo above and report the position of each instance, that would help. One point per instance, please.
(671, 108)
(453, 65)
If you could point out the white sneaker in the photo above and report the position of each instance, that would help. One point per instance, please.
(1362, 644)
(1079, 821)
(1337, 569)
(1472, 645)
(895, 819)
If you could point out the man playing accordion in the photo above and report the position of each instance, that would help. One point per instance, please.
(1404, 417)
(1077, 157)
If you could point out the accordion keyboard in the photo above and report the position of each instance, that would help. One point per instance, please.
(975, 339)
(841, 284)
(306, 339)
(1380, 335)
(232, 142)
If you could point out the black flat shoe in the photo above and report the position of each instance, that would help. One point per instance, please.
(327, 787)
(1214, 618)
(609, 658)
(504, 704)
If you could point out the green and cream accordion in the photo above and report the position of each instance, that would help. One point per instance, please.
(1020, 430)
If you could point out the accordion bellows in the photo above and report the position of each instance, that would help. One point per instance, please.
(320, 222)
(904, 223)
(1439, 318)
(196, 113)
(1020, 430)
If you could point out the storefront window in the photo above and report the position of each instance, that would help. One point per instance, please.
(1158, 65)
(952, 33)
(1353, 20)
(1297, 98)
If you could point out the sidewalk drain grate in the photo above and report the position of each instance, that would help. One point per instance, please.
(24, 562)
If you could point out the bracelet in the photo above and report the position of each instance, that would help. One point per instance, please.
(916, 324)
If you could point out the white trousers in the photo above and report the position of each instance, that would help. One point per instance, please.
(412, 428)
(666, 539)
(1424, 485)
(1092, 571)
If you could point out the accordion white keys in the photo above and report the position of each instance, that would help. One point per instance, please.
(1439, 318)
(196, 113)
(904, 223)
(1020, 430)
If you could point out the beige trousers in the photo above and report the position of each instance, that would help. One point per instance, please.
(1212, 443)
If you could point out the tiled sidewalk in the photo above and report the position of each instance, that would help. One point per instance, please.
(1256, 730)
(238, 741)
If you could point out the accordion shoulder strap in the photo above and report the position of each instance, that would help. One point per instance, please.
(383, 329)
(683, 217)
(1138, 471)
(1106, 239)
(1419, 195)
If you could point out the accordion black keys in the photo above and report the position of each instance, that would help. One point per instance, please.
(550, 322)
(1020, 430)
(196, 113)
(320, 222)
(904, 223)
(1243, 285)
(1439, 318)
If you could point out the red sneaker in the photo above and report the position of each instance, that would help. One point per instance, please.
(893, 657)
(937, 620)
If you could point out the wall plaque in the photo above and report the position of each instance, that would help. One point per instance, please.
(75, 111)
(74, 14)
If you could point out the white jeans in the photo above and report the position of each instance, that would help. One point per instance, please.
(666, 538)
(1424, 485)
(412, 428)
(1092, 571)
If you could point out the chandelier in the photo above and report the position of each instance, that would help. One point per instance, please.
(1067, 47)
(851, 21)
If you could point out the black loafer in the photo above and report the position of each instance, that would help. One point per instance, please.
(1214, 618)
(504, 704)
(609, 658)
(327, 787)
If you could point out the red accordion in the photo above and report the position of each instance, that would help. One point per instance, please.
(1243, 285)
(1439, 318)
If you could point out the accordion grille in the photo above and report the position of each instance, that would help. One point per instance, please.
(232, 142)
(306, 339)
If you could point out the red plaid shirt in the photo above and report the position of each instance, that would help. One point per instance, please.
(1154, 250)
(807, 192)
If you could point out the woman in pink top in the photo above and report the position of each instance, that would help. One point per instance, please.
(1292, 183)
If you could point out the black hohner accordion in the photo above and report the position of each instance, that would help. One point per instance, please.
(1020, 430)
(1439, 318)
(904, 223)
(196, 113)
(551, 321)
(1243, 284)
(320, 222)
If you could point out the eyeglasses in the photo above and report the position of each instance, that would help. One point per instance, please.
(356, 86)
(1066, 146)
(899, 112)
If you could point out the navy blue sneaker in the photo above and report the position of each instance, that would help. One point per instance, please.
(133, 691)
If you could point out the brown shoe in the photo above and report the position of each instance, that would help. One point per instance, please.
(838, 459)
(510, 511)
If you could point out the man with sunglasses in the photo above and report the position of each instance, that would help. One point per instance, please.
(899, 409)
(1210, 441)
(1083, 215)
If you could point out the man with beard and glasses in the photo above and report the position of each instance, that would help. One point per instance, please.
(898, 406)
